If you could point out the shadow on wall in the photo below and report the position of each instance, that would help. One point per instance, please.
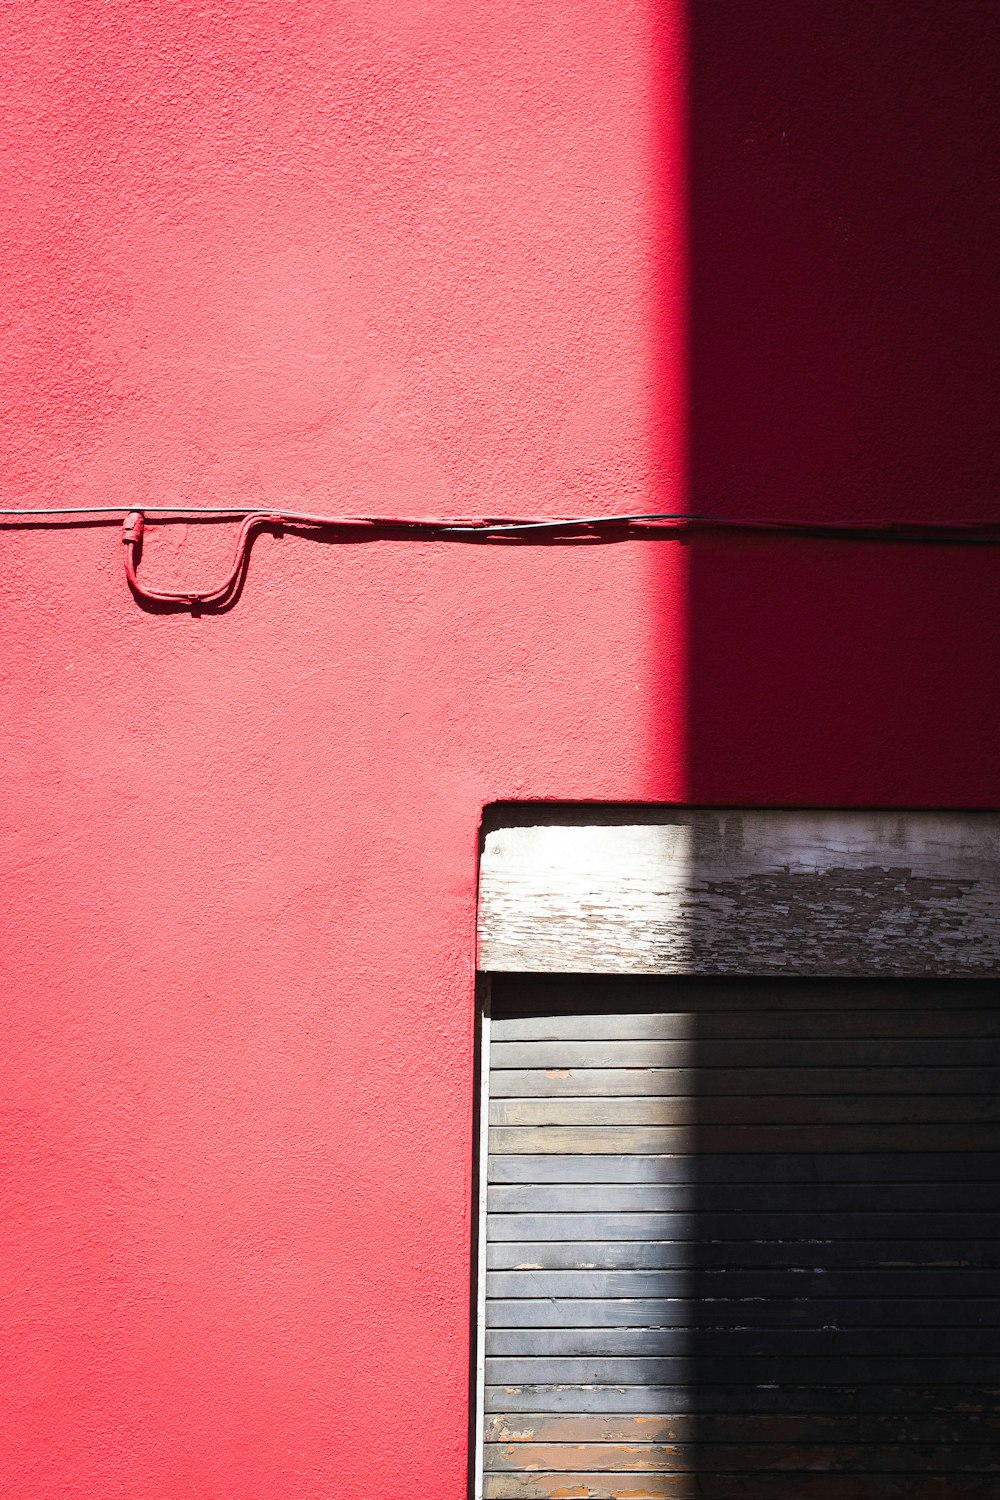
(843, 359)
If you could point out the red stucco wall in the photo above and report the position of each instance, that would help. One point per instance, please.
(429, 258)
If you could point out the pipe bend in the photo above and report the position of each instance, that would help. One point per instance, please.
(132, 533)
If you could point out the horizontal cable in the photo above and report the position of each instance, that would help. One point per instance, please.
(666, 525)
(986, 532)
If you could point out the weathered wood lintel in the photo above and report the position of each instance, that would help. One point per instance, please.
(744, 892)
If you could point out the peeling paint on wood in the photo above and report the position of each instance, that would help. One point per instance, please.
(738, 892)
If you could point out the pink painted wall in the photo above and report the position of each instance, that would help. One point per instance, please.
(427, 256)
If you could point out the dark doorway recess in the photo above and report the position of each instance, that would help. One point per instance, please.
(742, 1239)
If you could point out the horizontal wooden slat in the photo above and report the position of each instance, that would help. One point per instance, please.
(902, 1427)
(649, 1197)
(761, 1312)
(702, 1458)
(793, 1166)
(710, 1370)
(559, 1486)
(749, 1109)
(678, 1018)
(727, 1282)
(591, 1197)
(505, 1458)
(959, 1401)
(605, 1111)
(744, 1225)
(697, 891)
(702, 1083)
(707, 1486)
(765, 1254)
(806, 1052)
(620, 1140)
(538, 999)
(698, 1343)
(781, 1014)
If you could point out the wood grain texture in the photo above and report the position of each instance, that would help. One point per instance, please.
(874, 1369)
(739, 1342)
(623, 1140)
(977, 1427)
(814, 1228)
(899, 1051)
(798, 1255)
(749, 1109)
(746, 1313)
(771, 1486)
(572, 1083)
(764, 1007)
(727, 1282)
(735, 1197)
(698, 891)
(961, 1401)
(701, 1458)
(795, 1166)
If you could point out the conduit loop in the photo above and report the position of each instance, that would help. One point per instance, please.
(132, 532)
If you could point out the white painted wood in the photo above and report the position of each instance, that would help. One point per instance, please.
(745, 892)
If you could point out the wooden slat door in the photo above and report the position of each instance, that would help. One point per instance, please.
(742, 1240)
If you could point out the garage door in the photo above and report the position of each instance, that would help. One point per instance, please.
(742, 1239)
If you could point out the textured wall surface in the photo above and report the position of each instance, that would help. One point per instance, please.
(427, 256)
